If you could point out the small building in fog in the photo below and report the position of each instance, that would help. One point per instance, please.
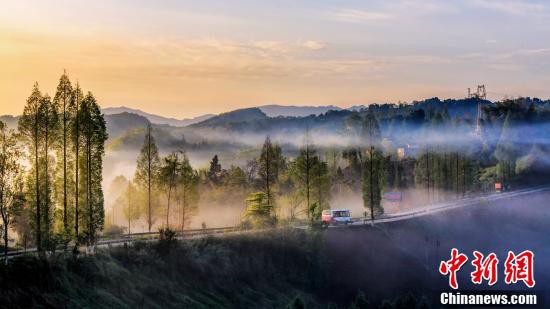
(408, 150)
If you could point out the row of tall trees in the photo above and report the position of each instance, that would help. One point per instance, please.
(304, 180)
(305, 183)
(311, 179)
(162, 188)
(179, 181)
(58, 190)
(445, 172)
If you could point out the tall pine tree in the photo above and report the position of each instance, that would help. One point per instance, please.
(373, 175)
(92, 138)
(270, 164)
(187, 194)
(148, 165)
(30, 130)
(11, 189)
(64, 100)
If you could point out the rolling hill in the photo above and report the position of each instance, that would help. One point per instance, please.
(119, 124)
(296, 111)
(156, 119)
(234, 119)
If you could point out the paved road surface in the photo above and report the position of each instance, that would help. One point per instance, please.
(439, 207)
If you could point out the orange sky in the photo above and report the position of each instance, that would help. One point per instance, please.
(187, 59)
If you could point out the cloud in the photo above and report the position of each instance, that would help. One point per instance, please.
(513, 7)
(221, 59)
(509, 55)
(314, 45)
(263, 48)
(394, 10)
(273, 46)
(421, 59)
(531, 52)
(422, 7)
(359, 16)
(520, 60)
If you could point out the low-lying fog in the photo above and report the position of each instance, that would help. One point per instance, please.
(246, 146)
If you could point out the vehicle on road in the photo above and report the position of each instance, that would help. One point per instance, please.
(336, 217)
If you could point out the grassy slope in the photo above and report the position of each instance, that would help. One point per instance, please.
(238, 271)
(268, 269)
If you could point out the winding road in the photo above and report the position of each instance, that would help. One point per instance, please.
(406, 215)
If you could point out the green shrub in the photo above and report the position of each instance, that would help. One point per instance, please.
(113, 230)
(167, 241)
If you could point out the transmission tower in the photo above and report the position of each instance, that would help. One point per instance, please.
(479, 95)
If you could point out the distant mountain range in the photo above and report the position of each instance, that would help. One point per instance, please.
(269, 111)
(235, 117)
(120, 124)
(123, 119)
(296, 111)
(156, 119)
(125, 126)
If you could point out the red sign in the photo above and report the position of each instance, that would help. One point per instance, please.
(392, 197)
